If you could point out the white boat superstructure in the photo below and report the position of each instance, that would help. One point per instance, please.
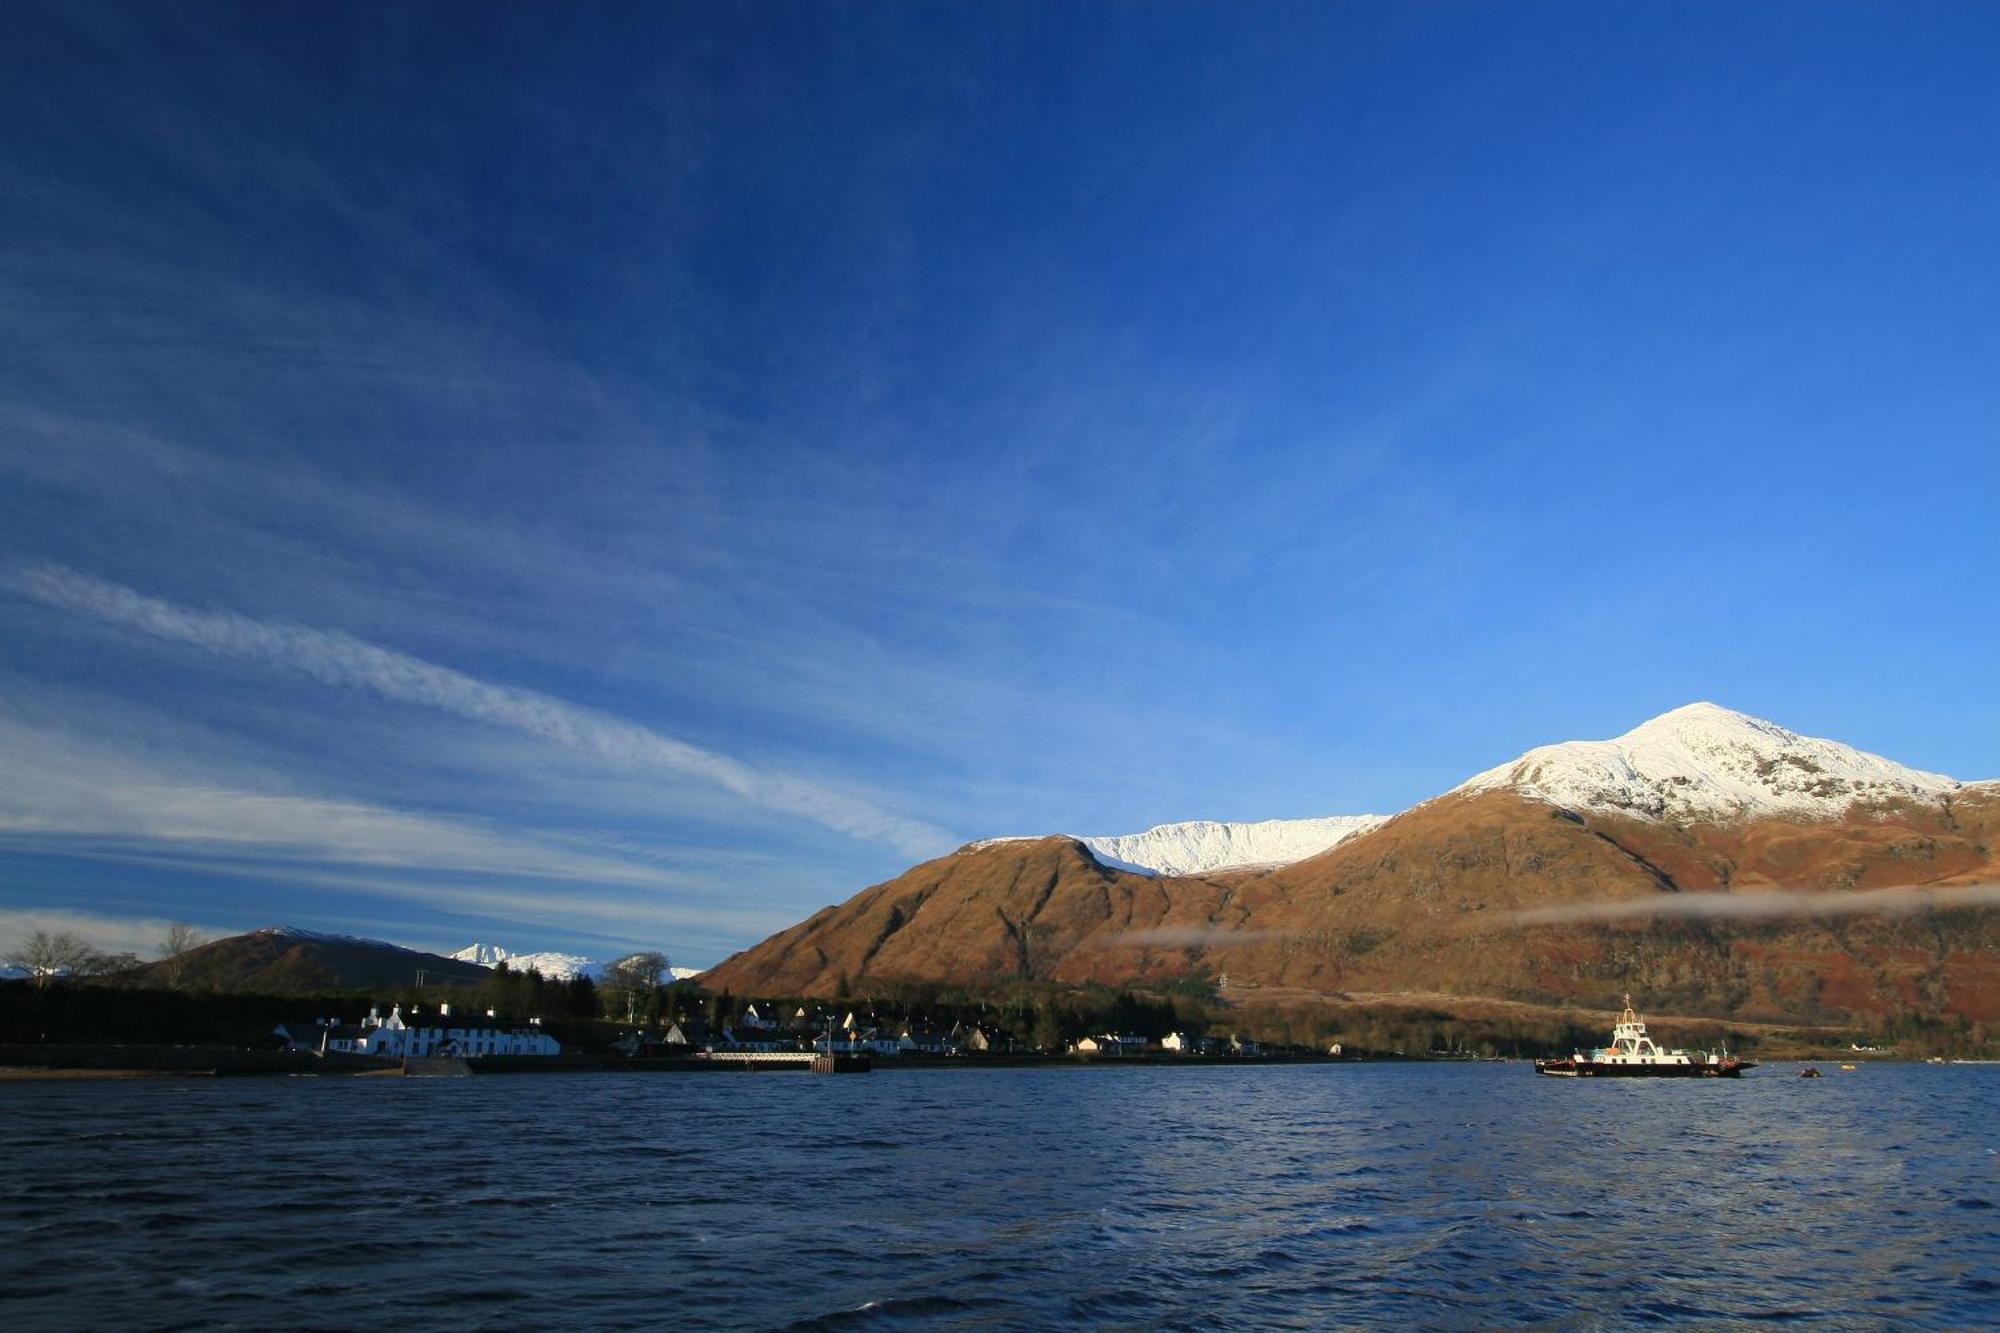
(1631, 1046)
(1632, 1052)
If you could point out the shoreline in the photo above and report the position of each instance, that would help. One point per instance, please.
(117, 1063)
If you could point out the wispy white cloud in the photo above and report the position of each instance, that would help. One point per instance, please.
(63, 791)
(1774, 905)
(623, 922)
(341, 659)
(141, 935)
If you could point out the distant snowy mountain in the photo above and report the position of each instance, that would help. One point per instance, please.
(325, 937)
(555, 966)
(1201, 845)
(1710, 763)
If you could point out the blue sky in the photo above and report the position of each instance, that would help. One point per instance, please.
(626, 476)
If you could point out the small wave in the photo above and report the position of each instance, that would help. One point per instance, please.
(892, 1310)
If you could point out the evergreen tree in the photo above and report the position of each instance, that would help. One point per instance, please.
(581, 996)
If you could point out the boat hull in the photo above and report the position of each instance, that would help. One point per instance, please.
(1575, 1068)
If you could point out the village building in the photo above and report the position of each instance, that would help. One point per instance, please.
(923, 1041)
(808, 1020)
(442, 1034)
(1110, 1044)
(981, 1040)
(686, 1034)
(747, 1038)
(863, 1041)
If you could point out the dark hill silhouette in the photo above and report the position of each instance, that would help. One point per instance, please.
(280, 960)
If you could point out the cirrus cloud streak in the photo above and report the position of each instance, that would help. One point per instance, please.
(340, 659)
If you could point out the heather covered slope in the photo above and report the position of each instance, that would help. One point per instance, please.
(1040, 908)
(1457, 896)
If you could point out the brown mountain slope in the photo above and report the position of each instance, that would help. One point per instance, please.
(276, 960)
(1428, 902)
(1040, 908)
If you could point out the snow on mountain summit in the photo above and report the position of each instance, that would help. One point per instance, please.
(1708, 762)
(1702, 762)
(554, 966)
(1202, 845)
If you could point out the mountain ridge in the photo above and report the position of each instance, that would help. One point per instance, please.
(285, 959)
(1700, 760)
(1706, 761)
(1437, 897)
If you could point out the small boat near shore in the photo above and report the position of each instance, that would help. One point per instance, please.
(1633, 1054)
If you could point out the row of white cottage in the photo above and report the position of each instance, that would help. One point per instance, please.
(418, 1036)
(1174, 1043)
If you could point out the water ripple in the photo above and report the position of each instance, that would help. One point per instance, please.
(1210, 1198)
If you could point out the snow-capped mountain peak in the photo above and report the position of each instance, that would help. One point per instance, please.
(1203, 845)
(1708, 762)
(554, 966)
(328, 937)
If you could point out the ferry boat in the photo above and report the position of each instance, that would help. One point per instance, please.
(1632, 1054)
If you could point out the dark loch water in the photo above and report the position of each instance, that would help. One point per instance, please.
(1319, 1196)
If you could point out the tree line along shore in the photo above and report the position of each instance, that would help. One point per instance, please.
(101, 1022)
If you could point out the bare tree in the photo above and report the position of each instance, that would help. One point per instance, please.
(181, 939)
(108, 964)
(637, 975)
(47, 956)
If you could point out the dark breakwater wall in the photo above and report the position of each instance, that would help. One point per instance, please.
(193, 1060)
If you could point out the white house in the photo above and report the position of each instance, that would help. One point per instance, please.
(873, 1041)
(922, 1041)
(747, 1038)
(808, 1020)
(442, 1034)
(984, 1040)
(1184, 1043)
(1110, 1044)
